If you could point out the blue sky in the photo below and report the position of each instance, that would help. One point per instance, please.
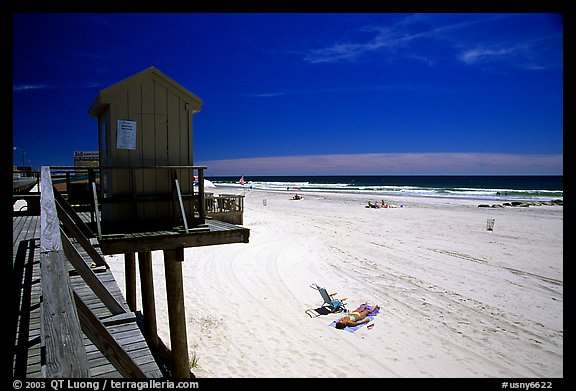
(290, 94)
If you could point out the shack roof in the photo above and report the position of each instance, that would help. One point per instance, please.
(104, 96)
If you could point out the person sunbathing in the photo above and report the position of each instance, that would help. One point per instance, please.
(356, 317)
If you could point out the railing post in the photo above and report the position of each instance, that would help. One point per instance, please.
(60, 327)
(67, 182)
(201, 212)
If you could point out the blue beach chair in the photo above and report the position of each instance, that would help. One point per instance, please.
(332, 304)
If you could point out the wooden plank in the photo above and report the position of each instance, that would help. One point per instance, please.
(182, 211)
(70, 224)
(186, 143)
(89, 277)
(219, 233)
(119, 180)
(25, 298)
(96, 210)
(17, 226)
(161, 136)
(60, 328)
(161, 125)
(92, 300)
(27, 227)
(163, 242)
(173, 128)
(134, 104)
(119, 319)
(80, 224)
(105, 342)
(201, 210)
(138, 352)
(101, 367)
(147, 119)
(135, 345)
(145, 179)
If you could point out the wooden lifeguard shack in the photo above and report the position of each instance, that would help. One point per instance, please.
(145, 143)
(148, 199)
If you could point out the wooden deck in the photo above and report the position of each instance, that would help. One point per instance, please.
(73, 301)
(213, 232)
(26, 328)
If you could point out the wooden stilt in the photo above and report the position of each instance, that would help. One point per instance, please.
(130, 272)
(148, 304)
(176, 312)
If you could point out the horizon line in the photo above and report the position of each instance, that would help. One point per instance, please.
(425, 163)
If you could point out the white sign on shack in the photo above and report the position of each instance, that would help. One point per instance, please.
(126, 135)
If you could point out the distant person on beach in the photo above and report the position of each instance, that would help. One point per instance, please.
(356, 317)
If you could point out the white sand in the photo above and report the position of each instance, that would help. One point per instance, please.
(457, 300)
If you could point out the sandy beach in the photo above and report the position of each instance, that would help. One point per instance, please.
(456, 299)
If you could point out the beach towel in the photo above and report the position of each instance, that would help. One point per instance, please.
(356, 328)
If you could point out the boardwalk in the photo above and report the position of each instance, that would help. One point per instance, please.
(72, 319)
(27, 327)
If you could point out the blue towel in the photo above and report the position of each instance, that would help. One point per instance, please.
(355, 328)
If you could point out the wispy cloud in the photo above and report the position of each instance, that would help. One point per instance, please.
(350, 89)
(39, 86)
(392, 164)
(28, 87)
(475, 55)
(407, 39)
(347, 50)
(386, 38)
(537, 54)
(268, 94)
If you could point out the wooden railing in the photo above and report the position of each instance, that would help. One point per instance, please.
(225, 207)
(61, 333)
(170, 186)
(64, 315)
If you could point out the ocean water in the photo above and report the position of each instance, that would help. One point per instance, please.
(531, 188)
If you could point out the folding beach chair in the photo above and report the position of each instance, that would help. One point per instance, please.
(330, 303)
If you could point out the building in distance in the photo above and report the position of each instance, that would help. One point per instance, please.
(86, 159)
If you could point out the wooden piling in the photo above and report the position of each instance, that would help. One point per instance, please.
(130, 274)
(148, 304)
(176, 312)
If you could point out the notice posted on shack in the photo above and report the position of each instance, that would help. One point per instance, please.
(126, 135)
